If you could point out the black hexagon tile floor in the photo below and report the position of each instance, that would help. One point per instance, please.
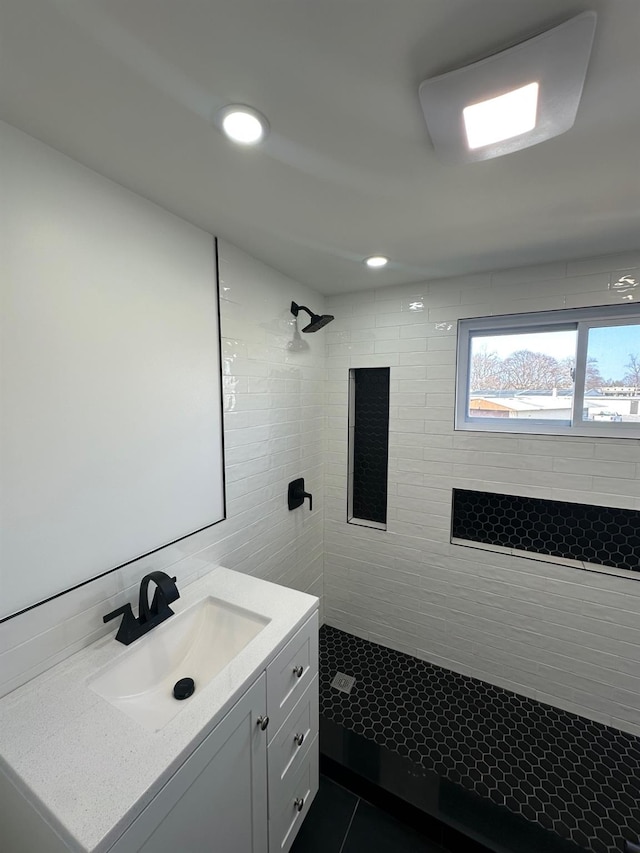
(571, 776)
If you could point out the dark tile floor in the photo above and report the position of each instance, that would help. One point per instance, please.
(523, 763)
(341, 822)
(445, 814)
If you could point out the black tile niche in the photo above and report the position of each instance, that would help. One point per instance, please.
(370, 442)
(606, 536)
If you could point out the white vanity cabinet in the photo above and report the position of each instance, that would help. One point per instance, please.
(233, 771)
(250, 783)
(217, 800)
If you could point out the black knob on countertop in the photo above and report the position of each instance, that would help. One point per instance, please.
(184, 688)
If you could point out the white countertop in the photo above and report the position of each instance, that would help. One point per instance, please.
(89, 768)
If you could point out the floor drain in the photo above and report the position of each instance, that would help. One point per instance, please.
(343, 682)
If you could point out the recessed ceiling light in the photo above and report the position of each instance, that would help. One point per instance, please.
(376, 261)
(501, 118)
(243, 124)
(512, 99)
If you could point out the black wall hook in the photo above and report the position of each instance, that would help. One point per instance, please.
(297, 494)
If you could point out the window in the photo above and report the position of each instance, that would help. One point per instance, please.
(575, 372)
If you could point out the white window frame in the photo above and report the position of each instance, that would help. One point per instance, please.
(578, 319)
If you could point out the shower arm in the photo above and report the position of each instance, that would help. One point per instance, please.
(318, 321)
(295, 308)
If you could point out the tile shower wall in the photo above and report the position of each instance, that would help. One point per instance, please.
(550, 632)
(274, 420)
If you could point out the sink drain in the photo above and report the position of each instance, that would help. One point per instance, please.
(184, 688)
(343, 682)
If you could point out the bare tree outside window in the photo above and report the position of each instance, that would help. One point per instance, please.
(525, 370)
(528, 371)
(633, 366)
(486, 370)
(593, 378)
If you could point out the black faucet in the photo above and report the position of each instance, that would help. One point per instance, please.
(148, 615)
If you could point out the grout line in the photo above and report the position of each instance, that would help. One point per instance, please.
(344, 840)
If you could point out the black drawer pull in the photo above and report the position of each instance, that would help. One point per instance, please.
(299, 804)
(263, 722)
(299, 739)
(298, 670)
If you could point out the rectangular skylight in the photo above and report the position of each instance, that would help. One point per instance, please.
(501, 118)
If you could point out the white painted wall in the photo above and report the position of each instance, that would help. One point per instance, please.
(555, 633)
(274, 422)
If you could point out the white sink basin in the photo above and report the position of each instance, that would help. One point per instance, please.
(197, 643)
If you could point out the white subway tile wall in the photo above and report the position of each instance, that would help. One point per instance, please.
(274, 422)
(550, 632)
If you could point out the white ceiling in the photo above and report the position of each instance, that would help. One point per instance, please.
(129, 88)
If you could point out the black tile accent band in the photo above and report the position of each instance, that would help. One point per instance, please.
(571, 777)
(606, 536)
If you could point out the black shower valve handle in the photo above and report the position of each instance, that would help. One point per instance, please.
(297, 494)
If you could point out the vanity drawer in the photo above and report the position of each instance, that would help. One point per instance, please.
(292, 671)
(284, 826)
(289, 747)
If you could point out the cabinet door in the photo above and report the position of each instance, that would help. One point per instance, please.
(217, 800)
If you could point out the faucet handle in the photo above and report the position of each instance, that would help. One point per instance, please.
(127, 631)
(125, 611)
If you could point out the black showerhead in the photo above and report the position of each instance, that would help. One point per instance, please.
(317, 320)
